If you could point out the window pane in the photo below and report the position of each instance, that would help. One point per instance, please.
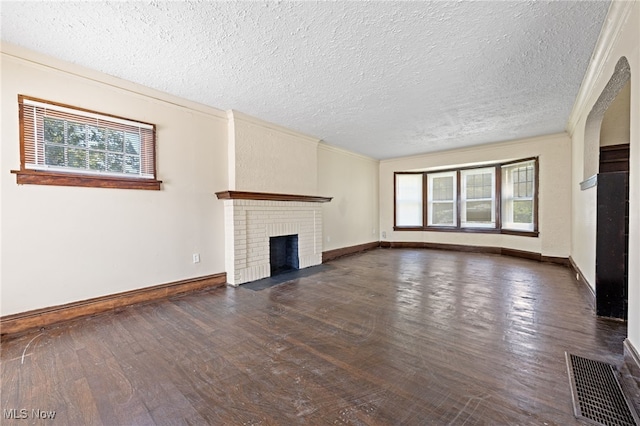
(115, 162)
(97, 160)
(54, 155)
(409, 200)
(479, 185)
(53, 130)
(77, 158)
(523, 211)
(442, 214)
(76, 134)
(442, 188)
(479, 211)
(132, 164)
(115, 140)
(132, 143)
(96, 138)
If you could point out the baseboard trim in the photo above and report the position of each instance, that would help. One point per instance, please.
(346, 251)
(440, 246)
(478, 249)
(632, 360)
(14, 324)
(581, 278)
(630, 374)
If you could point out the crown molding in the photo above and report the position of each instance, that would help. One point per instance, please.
(615, 20)
(234, 115)
(332, 148)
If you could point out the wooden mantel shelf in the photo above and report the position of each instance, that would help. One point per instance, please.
(267, 196)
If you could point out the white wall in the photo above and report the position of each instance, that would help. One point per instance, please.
(268, 158)
(64, 244)
(554, 152)
(351, 218)
(620, 37)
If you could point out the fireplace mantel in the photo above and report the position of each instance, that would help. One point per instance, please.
(268, 196)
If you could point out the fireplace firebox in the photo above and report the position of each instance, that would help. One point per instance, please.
(283, 254)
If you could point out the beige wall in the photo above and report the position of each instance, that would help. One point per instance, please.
(554, 152)
(64, 244)
(265, 157)
(619, 38)
(351, 218)
(617, 120)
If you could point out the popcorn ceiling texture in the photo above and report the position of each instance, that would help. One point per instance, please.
(385, 79)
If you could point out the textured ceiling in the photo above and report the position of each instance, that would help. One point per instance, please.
(385, 79)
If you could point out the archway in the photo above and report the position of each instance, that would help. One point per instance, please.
(606, 164)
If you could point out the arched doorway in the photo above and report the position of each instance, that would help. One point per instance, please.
(607, 165)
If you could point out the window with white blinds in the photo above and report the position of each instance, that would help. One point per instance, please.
(60, 139)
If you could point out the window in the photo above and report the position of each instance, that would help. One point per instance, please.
(409, 200)
(442, 199)
(478, 198)
(63, 145)
(518, 189)
(500, 198)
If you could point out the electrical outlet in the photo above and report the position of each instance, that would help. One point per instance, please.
(328, 239)
(384, 234)
(196, 257)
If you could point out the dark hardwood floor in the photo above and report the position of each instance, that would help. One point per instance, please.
(391, 336)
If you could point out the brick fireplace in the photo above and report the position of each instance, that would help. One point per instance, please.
(252, 219)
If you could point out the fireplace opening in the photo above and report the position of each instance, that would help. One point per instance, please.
(283, 254)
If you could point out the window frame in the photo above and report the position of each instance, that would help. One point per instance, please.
(534, 198)
(395, 202)
(430, 202)
(463, 199)
(79, 177)
(498, 229)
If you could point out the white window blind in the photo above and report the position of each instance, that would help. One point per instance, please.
(63, 139)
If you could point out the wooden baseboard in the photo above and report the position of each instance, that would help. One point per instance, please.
(564, 261)
(581, 278)
(440, 246)
(477, 249)
(11, 325)
(632, 360)
(630, 375)
(345, 251)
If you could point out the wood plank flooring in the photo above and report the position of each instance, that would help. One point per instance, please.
(391, 336)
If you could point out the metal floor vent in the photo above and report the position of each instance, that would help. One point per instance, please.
(597, 395)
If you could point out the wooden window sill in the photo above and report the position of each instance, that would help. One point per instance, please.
(37, 177)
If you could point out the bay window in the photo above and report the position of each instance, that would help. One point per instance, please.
(499, 198)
